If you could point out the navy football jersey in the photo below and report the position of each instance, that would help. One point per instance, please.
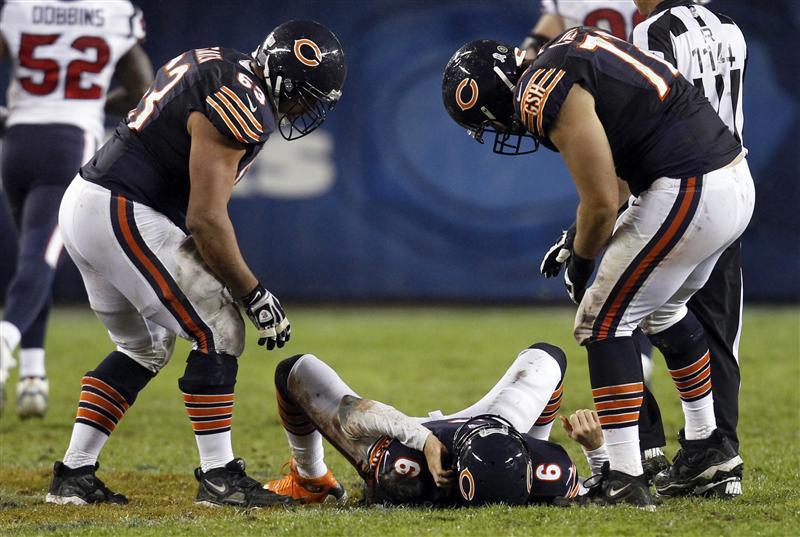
(147, 159)
(658, 124)
(400, 474)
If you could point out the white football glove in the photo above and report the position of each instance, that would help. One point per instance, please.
(265, 310)
(558, 254)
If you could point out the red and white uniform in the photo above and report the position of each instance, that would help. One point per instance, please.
(64, 55)
(616, 16)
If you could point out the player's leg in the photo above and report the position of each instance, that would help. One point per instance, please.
(707, 463)
(718, 307)
(309, 393)
(171, 286)
(143, 256)
(529, 393)
(707, 458)
(659, 243)
(42, 183)
(28, 297)
(33, 388)
(107, 391)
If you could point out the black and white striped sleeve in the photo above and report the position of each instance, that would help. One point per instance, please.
(653, 35)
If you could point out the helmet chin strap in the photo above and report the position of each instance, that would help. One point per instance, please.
(499, 72)
(276, 91)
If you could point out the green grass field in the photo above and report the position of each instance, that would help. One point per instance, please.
(417, 359)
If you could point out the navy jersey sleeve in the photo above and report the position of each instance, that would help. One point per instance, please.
(553, 472)
(538, 98)
(237, 106)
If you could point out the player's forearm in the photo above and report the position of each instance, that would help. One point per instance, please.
(216, 242)
(364, 418)
(594, 227)
(596, 458)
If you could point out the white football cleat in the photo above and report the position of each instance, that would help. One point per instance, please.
(33, 394)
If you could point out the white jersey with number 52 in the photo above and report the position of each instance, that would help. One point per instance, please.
(64, 55)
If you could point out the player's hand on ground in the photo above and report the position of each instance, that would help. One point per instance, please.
(436, 456)
(576, 276)
(584, 427)
(558, 254)
(265, 310)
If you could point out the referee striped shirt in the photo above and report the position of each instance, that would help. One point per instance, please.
(706, 47)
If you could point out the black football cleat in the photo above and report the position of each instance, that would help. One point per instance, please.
(653, 465)
(230, 485)
(612, 487)
(707, 467)
(80, 486)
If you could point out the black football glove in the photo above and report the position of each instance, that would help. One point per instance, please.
(265, 310)
(576, 276)
(558, 254)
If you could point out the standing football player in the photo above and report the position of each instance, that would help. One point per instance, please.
(496, 450)
(64, 56)
(170, 169)
(625, 122)
(617, 17)
(710, 51)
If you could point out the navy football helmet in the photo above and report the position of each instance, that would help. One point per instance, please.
(478, 93)
(304, 69)
(493, 464)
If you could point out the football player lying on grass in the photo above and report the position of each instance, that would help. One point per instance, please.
(495, 451)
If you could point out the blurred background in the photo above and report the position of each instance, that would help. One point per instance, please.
(390, 200)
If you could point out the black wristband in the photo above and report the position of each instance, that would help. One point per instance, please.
(257, 292)
(582, 265)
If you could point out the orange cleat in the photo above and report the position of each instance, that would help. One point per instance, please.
(307, 489)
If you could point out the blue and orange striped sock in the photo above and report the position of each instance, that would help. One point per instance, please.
(615, 372)
(541, 429)
(207, 385)
(686, 352)
(106, 394)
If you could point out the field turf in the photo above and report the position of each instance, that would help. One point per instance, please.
(417, 359)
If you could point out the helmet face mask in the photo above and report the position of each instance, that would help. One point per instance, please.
(492, 462)
(477, 90)
(304, 70)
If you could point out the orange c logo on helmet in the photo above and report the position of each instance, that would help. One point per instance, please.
(467, 492)
(473, 97)
(298, 51)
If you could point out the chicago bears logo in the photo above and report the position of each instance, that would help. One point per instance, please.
(298, 51)
(467, 484)
(529, 477)
(466, 104)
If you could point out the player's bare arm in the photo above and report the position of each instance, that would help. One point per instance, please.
(547, 27)
(582, 141)
(213, 165)
(362, 418)
(134, 72)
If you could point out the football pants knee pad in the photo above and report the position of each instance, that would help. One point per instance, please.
(282, 371)
(684, 337)
(556, 352)
(209, 373)
(123, 374)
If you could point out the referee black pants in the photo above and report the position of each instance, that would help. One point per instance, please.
(718, 306)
